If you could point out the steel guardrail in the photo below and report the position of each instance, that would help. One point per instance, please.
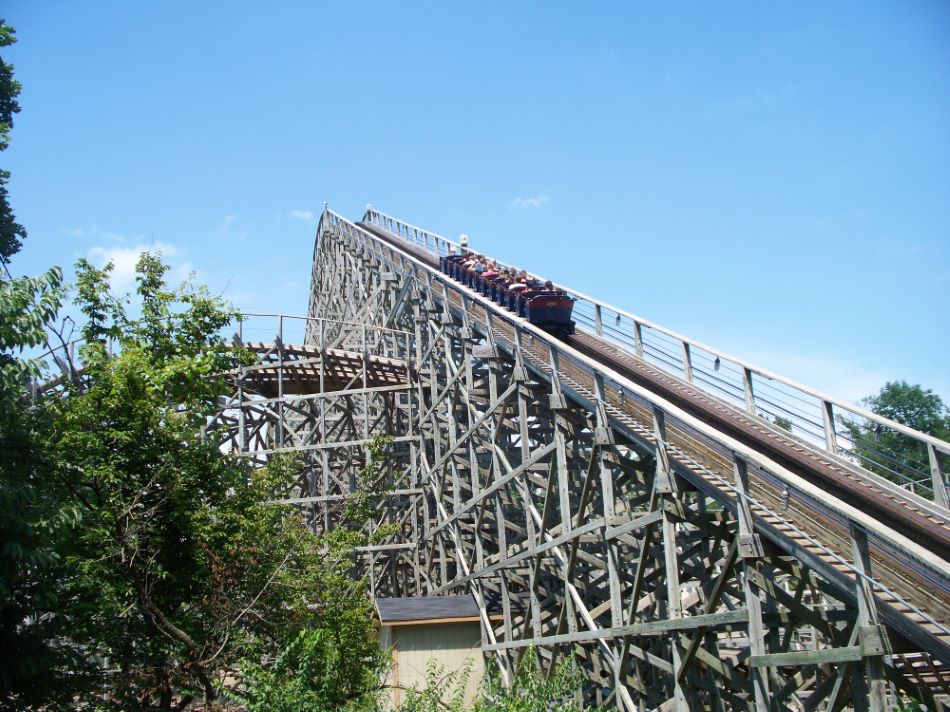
(819, 418)
(795, 487)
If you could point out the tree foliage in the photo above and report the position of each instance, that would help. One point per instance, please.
(27, 305)
(140, 568)
(531, 689)
(892, 454)
(12, 233)
(29, 520)
(314, 672)
(173, 573)
(444, 690)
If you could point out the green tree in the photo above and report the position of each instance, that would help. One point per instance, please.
(11, 232)
(778, 421)
(179, 567)
(444, 690)
(783, 423)
(892, 454)
(531, 689)
(336, 663)
(141, 567)
(29, 520)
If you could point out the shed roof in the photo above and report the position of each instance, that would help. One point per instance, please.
(419, 609)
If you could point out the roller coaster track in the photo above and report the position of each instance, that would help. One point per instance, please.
(613, 505)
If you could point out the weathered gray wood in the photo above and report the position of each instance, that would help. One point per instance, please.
(655, 628)
(750, 551)
(666, 487)
(522, 476)
(868, 629)
(937, 476)
(808, 657)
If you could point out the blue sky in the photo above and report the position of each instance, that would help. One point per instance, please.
(770, 178)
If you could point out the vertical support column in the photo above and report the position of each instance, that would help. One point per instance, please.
(565, 512)
(417, 503)
(468, 363)
(666, 487)
(828, 419)
(871, 635)
(474, 471)
(638, 338)
(324, 452)
(365, 382)
(937, 475)
(372, 575)
(533, 535)
(423, 367)
(501, 527)
(451, 425)
(687, 362)
(750, 549)
(439, 443)
(747, 389)
(557, 405)
(242, 424)
(603, 439)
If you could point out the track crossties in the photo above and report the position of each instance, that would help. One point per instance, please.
(308, 370)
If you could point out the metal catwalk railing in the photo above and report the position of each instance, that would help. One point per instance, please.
(823, 420)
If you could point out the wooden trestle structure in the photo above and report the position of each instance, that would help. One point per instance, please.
(683, 567)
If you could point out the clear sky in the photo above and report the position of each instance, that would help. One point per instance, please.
(771, 178)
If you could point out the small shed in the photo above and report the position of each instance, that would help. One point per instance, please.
(419, 629)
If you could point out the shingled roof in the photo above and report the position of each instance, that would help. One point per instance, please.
(426, 609)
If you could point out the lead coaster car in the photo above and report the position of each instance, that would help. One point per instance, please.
(550, 311)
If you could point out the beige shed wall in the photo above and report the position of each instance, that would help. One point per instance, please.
(450, 644)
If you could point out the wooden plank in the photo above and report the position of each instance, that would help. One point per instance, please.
(661, 627)
(798, 658)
